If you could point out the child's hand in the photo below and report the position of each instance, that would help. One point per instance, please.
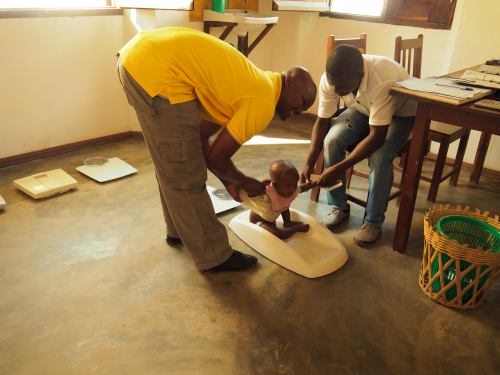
(266, 181)
(307, 186)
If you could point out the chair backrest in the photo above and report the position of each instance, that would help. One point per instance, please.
(408, 52)
(332, 42)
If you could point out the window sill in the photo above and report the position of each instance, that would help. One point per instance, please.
(318, 6)
(413, 23)
(31, 13)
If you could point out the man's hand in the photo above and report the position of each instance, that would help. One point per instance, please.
(253, 187)
(233, 190)
(305, 175)
(330, 176)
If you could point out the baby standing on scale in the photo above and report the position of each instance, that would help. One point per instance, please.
(281, 189)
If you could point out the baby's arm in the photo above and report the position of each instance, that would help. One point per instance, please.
(266, 181)
(306, 186)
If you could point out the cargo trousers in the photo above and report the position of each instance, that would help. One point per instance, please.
(171, 132)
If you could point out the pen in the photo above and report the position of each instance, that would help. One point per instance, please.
(456, 87)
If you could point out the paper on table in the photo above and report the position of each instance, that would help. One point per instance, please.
(431, 85)
(471, 77)
(471, 74)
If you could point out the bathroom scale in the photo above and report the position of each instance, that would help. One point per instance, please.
(45, 184)
(105, 169)
(315, 253)
(2, 203)
(221, 199)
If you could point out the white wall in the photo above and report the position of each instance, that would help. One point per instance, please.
(478, 40)
(58, 81)
(58, 77)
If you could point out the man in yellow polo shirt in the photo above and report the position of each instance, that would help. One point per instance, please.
(185, 86)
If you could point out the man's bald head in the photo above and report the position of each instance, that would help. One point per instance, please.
(298, 92)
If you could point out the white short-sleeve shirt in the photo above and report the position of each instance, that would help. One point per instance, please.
(373, 98)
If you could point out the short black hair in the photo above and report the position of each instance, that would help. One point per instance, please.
(344, 60)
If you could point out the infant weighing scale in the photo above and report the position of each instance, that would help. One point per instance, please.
(46, 184)
(221, 200)
(312, 254)
(105, 169)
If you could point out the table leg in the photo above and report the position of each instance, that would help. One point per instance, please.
(411, 178)
(482, 149)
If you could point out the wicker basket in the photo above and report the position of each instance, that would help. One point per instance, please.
(454, 274)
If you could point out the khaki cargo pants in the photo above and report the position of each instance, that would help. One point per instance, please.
(172, 136)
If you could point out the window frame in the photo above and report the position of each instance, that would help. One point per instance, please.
(138, 4)
(388, 17)
(301, 5)
(108, 10)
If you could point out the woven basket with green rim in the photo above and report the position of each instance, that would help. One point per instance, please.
(461, 255)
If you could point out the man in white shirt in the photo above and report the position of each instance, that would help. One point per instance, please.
(375, 122)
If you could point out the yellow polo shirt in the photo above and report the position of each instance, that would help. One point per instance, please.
(183, 64)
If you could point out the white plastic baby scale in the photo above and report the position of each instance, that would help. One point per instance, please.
(313, 254)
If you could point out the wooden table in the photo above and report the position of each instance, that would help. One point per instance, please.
(466, 115)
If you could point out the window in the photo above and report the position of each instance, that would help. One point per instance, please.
(58, 4)
(360, 7)
(436, 14)
(156, 4)
(426, 13)
(83, 4)
(301, 5)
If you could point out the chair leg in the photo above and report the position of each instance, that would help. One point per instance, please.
(318, 169)
(482, 148)
(438, 171)
(403, 171)
(459, 158)
(402, 160)
(348, 177)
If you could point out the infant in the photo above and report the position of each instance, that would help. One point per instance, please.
(281, 190)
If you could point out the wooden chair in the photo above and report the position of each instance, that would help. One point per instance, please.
(331, 43)
(408, 52)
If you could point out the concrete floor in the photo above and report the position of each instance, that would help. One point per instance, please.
(88, 285)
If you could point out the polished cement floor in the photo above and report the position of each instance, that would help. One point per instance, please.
(89, 286)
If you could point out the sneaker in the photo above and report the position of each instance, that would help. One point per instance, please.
(174, 241)
(336, 216)
(236, 262)
(367, 234)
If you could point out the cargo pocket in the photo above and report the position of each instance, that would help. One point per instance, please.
(182, 163)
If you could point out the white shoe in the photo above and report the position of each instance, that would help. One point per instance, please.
(367, 234)
(335, 216)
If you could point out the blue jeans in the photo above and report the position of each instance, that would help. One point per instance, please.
(350, 128)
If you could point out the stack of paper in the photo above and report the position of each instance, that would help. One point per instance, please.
(444, 88)
(482, 79)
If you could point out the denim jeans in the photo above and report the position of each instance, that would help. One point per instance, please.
(350, 128)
